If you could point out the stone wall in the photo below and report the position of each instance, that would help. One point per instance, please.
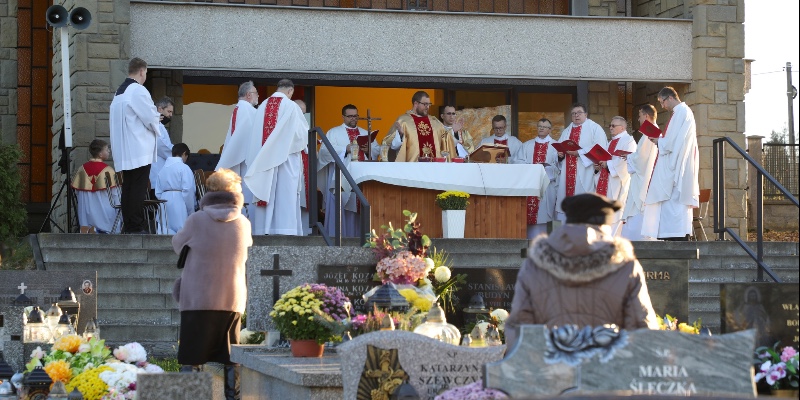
(661, 8)
(98, 63)
(162, 83)
(8, 71)
(603, 103)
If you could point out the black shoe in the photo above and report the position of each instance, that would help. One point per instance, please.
(232, 384)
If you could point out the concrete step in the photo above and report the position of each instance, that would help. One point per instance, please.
(135, 300)
(141, 316)
(71, 241)
(112, 255)
(744, 262)
(720, 247)
(125, 333)
(710, 319)
(137, 285)
(704, 303)
(720, 275)
(117, 270)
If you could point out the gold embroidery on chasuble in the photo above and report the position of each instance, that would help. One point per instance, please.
(425, 137)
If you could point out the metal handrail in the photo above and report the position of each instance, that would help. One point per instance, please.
(313, 207)
(719, 204)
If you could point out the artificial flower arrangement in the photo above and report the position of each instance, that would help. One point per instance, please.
(443, 281)
(496, 318)
(452, 200)
(294, 312)
(360, 324)
(403, 261)
(90, 367)
(670, 323)
(778, 368)
(473, 391)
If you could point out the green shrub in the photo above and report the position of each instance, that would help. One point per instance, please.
(12, 210)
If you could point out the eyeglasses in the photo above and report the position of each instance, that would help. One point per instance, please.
(612, 126)
(578, 113)
(499, 128)
(425, 104)
(448, 113)
(544, 127)
(351, 116)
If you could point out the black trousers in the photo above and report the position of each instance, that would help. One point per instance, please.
(134, 192)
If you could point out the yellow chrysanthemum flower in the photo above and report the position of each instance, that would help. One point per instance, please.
(422, 304)
(89, 383)
(58, 370)
(409, 294)
(686, 328)
(69, 343)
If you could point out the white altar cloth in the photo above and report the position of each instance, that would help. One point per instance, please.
(473, 178)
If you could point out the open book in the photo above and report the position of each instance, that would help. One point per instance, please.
(488, 153)
(364, 142)
(565, 146)
(597, 154)
(650, 130)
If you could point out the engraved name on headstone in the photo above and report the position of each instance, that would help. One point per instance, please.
(769, 308)
(668, 285)
(352, 280)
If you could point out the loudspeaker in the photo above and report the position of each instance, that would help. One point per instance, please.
(57, 16)
(80, 18)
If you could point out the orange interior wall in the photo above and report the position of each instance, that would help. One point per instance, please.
(384, 103)
(215, 94)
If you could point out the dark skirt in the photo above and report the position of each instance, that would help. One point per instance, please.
(206, 336)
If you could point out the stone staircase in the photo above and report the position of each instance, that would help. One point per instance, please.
(136, 272)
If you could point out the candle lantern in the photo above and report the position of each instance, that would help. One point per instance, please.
(36, 330)
(36, 385)
(64, 326)
(52, 315)
(474, 309)
(69, 303)
(91, 330)
(387, 298)
(436, 327)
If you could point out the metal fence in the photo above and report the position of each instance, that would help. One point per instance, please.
(781, 161)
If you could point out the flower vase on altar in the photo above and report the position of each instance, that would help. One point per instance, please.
(453, 222)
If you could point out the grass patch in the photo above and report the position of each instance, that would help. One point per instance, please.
(167, 364)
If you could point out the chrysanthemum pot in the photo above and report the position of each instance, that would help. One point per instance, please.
(453, 222)
(306, 348)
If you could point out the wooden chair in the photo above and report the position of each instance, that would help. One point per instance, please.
(701, 213)
(200, 184)
(114, 199)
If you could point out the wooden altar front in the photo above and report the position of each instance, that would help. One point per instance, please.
(487, 216)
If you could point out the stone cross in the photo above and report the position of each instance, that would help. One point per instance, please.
(22, 288)
(276, 273)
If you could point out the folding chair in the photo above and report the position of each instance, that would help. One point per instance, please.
(158, 209)
(114, 199)
(701, 213)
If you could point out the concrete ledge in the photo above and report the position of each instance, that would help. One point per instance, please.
(278, 363)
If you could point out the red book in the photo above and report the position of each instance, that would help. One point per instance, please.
(620, 153)
(363, 143)
(650, 130)
(597, 154)
(565, 146)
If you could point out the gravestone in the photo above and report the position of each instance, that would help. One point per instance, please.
(641, 362)
(42, 288)
(769, 308)
(352, 280)
(429, 365)
(302, 265)
(496, 285)
(174, 386)
(668, 285)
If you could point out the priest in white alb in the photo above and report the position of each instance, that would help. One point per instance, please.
(613, 179)
(640, 167)
(239, 138)
(275, 174)
(673, 190)
(577, 171)
(341, 137)
(501, 136)
(541, 210)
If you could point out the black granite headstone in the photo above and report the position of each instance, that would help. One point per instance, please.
(496, 285)
(668, 285)
(770, 308)
(352, 280)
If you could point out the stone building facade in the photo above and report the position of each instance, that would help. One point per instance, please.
(707, 68)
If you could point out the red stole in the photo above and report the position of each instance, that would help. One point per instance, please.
(504, 142)
(572, 162)
(427, 145)
(539, 156)
(270, 120)
(270, 117)
(304, 155)
(233, 120)
(602, 181)
(352, 134)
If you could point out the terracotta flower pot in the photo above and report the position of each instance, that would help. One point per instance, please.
(306, 348)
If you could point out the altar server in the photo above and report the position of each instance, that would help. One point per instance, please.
(89, 183)
(175, 184)
(673, 190)
(275, 173)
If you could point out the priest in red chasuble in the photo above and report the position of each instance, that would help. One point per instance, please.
(613, 178)
(541, 210)
(416, 134)
(577, 171)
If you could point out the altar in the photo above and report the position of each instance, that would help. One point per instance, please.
(497, 200)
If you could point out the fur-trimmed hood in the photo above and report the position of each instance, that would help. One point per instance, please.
(580, 253)
(222, 206)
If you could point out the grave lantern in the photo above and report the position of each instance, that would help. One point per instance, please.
(436, 327)
(91, 330)
(75, 395)
(5, 377)
(475, 308)
(35, 385)
(387, 298)
(64, 326)
(52, 315)
(36, 330)
(6, 391)
(58, 391)
(70, 304)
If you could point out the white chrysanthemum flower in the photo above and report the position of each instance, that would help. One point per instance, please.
(483, 326)
(428, 264)
(500, 314)
(442, 274)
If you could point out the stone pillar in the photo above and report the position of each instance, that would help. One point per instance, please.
(603, 103)
(98, 64)
(716, 95)
(169, 83)
(756, 151)
(8, 71)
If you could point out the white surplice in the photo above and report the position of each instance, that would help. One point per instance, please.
(275, 174)
(618, 177)
(513, 144)
(238, 143)
(163, 152)
(674, 190)
(640, 167)
(175, 184)
(326, 180)
(591, 134)
(134, 127)
(547, 202)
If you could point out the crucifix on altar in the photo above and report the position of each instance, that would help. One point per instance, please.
(369, 120)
